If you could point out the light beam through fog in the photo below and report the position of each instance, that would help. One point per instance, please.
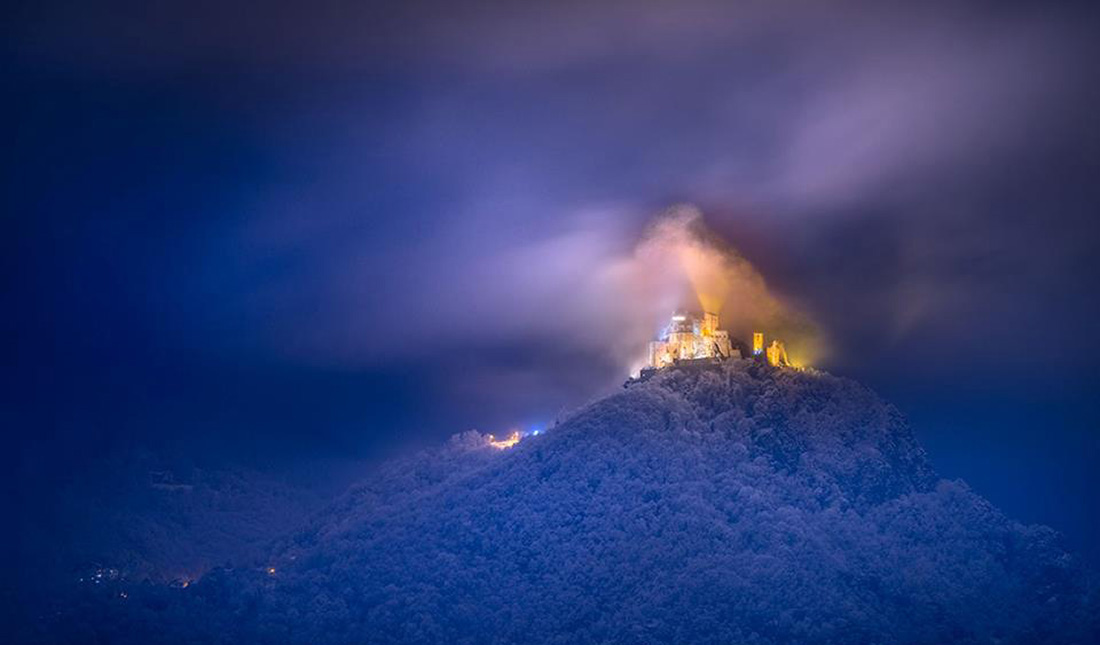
(680, 263)
(591, 287)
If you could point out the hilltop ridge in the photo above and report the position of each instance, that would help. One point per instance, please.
(737, 503)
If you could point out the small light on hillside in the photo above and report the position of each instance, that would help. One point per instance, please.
(501, 444)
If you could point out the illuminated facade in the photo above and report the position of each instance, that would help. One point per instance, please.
(696, 339)
(690, 337)
(777, 355)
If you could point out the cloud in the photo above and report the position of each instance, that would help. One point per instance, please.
(449, 187)
(581, 292)
(681, 262)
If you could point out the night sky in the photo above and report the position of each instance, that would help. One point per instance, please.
(279, 232)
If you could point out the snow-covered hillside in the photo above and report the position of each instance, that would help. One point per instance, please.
(732, 505)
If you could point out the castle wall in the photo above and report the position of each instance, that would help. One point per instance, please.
(688, 337)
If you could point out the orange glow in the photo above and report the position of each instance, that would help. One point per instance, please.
(707, 274)
(501, 444)
(777, 354)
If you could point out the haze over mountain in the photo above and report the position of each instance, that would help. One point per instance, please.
(732, 504)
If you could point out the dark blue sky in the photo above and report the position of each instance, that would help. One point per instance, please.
(323, 229)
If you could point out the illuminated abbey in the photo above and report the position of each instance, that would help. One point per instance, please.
(693, 339)
(688, 337)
